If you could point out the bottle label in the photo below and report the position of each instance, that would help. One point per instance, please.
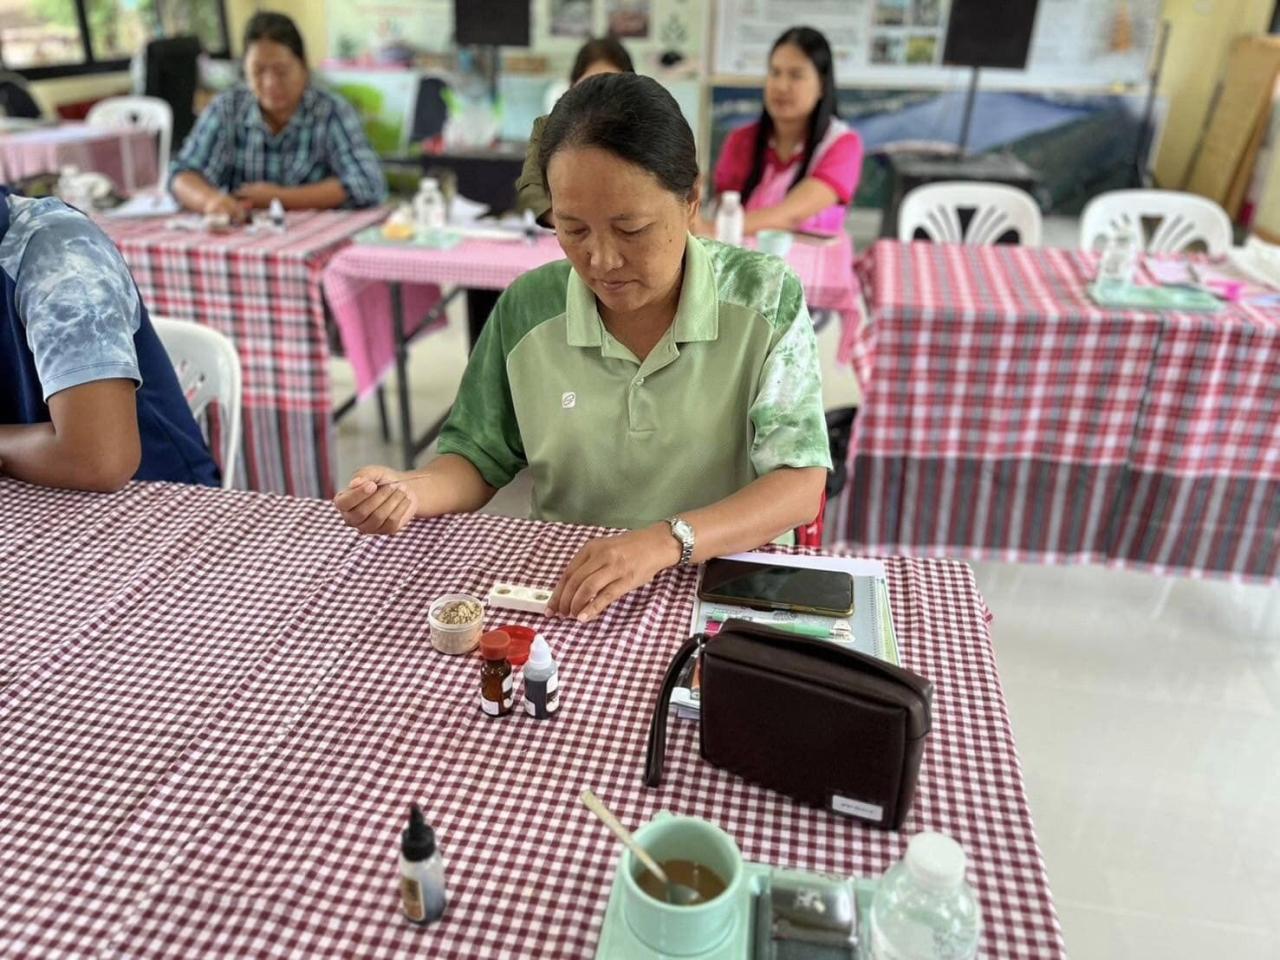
(411, 899)
(491, 707)
(541, 697)
(856, 808)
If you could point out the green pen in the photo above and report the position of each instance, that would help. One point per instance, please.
(801, 629)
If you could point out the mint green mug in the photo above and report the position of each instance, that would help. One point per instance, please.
(684, 931)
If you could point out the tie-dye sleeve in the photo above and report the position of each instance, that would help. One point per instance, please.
(787, 414)
(76, 299)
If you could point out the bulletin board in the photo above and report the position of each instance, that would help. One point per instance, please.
(1076, 43)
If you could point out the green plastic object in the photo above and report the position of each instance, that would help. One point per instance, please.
(1181, 298)
(432, 240)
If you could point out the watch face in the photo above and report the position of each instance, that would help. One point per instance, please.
(683, 530)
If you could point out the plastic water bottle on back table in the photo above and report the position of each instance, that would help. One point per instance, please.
(1119, 259)
(729, 218)
(428, 207)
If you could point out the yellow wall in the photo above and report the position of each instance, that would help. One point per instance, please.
(1202, 31)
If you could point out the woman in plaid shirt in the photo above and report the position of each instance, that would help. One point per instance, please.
(279, 136)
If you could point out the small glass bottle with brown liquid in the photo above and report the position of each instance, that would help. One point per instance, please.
(497, 685)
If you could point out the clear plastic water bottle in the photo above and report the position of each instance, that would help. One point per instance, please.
(729, 218)
(1119, 259)
(923, 909)
(428, 206)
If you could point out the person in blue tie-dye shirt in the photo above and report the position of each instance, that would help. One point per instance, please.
(276, 137)
(88, 397)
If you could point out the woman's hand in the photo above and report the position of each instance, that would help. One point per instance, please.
(606, 568)
(375, 509)
(224, 204)
(260, 194)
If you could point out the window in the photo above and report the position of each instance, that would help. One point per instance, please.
(50, 38)
(39, 33)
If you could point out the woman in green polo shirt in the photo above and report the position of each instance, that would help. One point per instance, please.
(655, 382)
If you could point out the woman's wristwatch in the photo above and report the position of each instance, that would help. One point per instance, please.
(682, 531)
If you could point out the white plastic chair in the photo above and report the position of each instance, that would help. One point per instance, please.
(208, 369)
(145, 113)
(1177, 220)
(997, 210)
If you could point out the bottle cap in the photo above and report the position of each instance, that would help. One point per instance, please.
(540, 653)
(733, 196)
(426, 182)
(494, 645)
(935, 862)
(521, 639)
(419, 841)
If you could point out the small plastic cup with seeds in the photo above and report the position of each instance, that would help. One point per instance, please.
(455, 621)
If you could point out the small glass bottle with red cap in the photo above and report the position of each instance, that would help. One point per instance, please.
(497, 685)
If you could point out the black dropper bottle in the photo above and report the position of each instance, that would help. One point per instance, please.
(422, 893)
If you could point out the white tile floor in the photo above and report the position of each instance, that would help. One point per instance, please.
(1147, 715)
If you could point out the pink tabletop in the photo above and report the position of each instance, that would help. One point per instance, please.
(826, 272)
(127, 156)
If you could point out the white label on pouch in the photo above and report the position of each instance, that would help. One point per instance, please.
(856, 808)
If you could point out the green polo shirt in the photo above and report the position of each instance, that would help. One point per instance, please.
(730, 393)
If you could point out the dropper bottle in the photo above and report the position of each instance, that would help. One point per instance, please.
(422, 894)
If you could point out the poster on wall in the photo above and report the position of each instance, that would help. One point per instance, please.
(571, 18)
(370, 32)
(746, 29)
(627, 18)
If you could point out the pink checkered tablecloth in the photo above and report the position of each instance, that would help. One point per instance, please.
(215, 708)
(261, 289)
(1005, 415)
(826, 271)
(123, 155)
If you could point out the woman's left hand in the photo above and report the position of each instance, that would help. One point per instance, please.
(606, 568)
(259, 195)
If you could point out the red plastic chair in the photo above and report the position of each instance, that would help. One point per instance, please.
(810, 535)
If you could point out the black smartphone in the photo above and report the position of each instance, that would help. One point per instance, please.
(768, 586)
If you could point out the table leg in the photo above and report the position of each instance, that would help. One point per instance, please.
(480, 304)
(382, 413)
(402, 376)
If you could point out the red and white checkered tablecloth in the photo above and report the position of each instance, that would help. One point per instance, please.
(215, 708)
(826, 271)
(261, 289)
(117, 153)
(1006, 415)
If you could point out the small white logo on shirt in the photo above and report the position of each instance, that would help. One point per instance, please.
(568, 400)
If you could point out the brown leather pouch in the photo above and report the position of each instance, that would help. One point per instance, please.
(820, 723)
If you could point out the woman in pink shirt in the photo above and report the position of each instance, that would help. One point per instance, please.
(797, 167)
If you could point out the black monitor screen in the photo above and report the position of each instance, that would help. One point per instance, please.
(498, 23)
(989, 33)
